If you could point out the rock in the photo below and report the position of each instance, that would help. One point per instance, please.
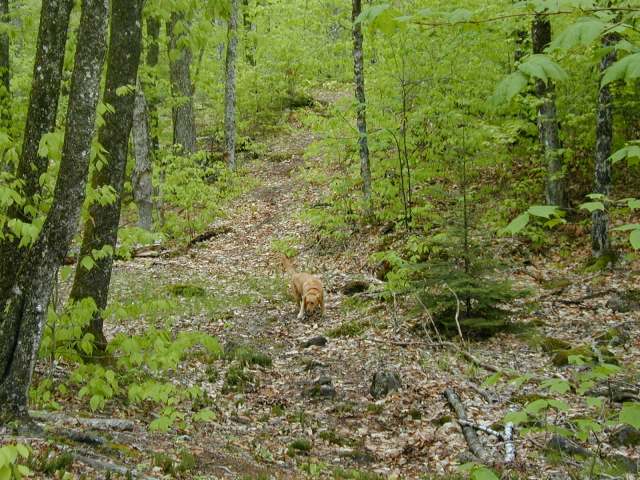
(625, 436)
(602, 355)
(625, 302)
(312, 364)
(318, 341)
(384, 382)
(615, 336)
(355, 286)
(321, 387)
(551, 345)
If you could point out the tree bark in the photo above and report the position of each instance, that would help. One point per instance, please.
(125, 43)
(5, 70)
(548, 128)
(230, 88)
(141, 178)
(41, 119)
(184, 123)
(358, 68)
(24, 316)
(153, 55)
(600, 244)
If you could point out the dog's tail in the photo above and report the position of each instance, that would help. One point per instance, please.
(286, 263)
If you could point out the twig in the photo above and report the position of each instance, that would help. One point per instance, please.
(457, 312)
(482, 428)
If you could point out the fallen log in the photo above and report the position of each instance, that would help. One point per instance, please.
(475, 445)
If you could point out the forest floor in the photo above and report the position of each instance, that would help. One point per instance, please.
(274, 421)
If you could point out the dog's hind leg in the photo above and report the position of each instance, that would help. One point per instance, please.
(301, 314)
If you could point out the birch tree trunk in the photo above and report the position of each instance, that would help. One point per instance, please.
(41, 119)
(600, 244)
(184, 123)
(548, 129)
(358, 68)
(23, 318)
(125, 43)
(230, 87)
(141, 178)
(5, 69)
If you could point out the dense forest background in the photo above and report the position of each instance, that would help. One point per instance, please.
(462, 177)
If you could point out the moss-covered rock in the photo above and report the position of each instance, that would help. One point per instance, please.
(552, 345)
(299, 446)
(602, 355)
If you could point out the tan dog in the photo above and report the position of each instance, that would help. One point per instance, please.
(307, 290)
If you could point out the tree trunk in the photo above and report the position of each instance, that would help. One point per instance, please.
(184, 123)
(153, 55)
(249, 27)
(358, 68)
(141, 178)
(41, 119)
(604, 136)
(22, 320)
(125, 43)
(5, 69)
(230, 88)
(548, 129)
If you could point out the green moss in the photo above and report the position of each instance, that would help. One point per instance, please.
(597, 264)
(247, 355)
(354, 474)
(556, 283)
(333, 437)
(525, 398)
(442, 420)
(551, 345)
(351, 328)
(186, 290)
(299, 446)
(237, 379)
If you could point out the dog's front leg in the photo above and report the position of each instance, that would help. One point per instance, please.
(301, 314)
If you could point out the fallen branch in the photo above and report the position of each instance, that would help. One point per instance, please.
(469, 433)
(482, 428)
(97, 423)
(101, 464)
(214, 231)
(509, 446)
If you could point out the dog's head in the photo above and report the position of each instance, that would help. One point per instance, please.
(313, 303)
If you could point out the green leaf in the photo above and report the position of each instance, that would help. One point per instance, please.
(87, 262)
(542, 67)
(556, 385)
(634, 239)
(22, 450)
(161, 424)
(559, 405)
(544, 211)
(627, 69)
(629, 152)
(204, 415)
(630, 414)
(592, 206)
(516, 417)
(492, 379)
(460, 15)
(508, 88)
(535, 406)
(583, 32)
(5, 472)
(483, 473)
(516, 225)
(627, 227)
